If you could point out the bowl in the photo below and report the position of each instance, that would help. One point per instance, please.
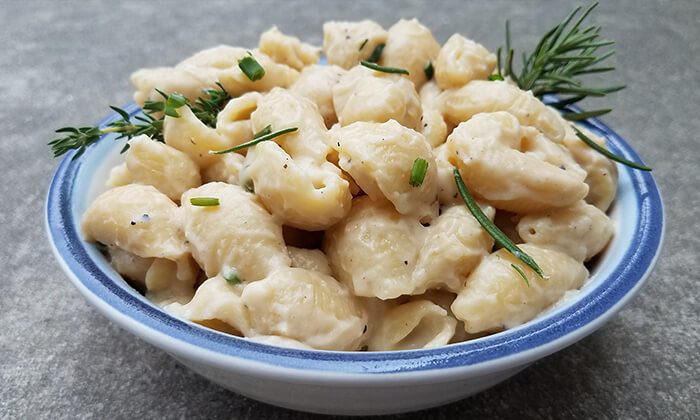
(357, 382)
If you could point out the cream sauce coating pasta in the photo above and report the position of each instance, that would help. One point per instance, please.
(380, 158)
(496, 297)
(491, 151)
(367, 95)
(316, 239)
(237, 234)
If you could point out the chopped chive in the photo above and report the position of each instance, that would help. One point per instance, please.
(254, 141)
(420, 167)
(363, 44)
(251, 68)
(605, 152)
(231, 275)
(265, 131)
(492, 229)
(204, 201)
(521, 273)
(429, 70)
(494, 77)
(384, 69)
(376, 54)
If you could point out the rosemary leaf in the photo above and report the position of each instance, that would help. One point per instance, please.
(492, 229)
(383, 69)
(265, 131)
(254, 141)
(520, 271)
(578, 116)
(429, 70)
(605, 152)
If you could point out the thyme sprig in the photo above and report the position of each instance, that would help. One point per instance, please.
(555, 65)
(206, 108)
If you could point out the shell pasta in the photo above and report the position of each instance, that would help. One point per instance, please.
(318, 208)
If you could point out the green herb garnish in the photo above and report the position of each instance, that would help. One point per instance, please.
(206, 109)
(255, 141)
(520, 271)
(493, 77)
(231, 276)
(561, 56)
(363, 44)
(265, 131)
(249, 187)
(251, 68)
(429, 70)
(376, 54)
(384, 69)
(204, 201)
(420, 167)
(593, 145)
(492, 229)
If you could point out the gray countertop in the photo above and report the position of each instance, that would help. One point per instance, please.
(62, 63)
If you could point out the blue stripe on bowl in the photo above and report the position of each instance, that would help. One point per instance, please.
(636, 251)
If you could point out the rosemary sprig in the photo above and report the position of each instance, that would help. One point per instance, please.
(491, 228)
(522, 274)
(555, 65)
(206, 108)
(363, 44)
(263, 135)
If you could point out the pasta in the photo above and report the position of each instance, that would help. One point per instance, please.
(323, 230)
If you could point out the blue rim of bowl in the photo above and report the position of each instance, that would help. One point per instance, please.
(535, 338)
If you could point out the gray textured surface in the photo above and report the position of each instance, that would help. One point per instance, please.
(64, 62)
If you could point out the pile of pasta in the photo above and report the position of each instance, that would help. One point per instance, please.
(331, 246)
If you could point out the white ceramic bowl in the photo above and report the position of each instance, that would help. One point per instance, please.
(357, 382)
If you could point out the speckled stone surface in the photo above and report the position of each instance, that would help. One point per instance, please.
(62, 63)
